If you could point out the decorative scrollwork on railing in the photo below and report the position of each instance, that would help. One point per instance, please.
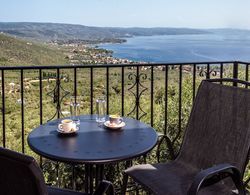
(137, 95)
(203, 72)
(58, 93)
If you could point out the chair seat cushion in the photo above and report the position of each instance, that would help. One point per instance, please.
(58, 191)
(173, 178)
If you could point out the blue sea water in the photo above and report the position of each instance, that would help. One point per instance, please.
(184, 48)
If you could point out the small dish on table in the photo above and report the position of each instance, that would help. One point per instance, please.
(68, 132)
(114, 126)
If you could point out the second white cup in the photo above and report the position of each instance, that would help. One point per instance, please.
(115, 119)
(67, 125)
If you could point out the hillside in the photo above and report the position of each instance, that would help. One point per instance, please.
(54, 31)
(19, 52)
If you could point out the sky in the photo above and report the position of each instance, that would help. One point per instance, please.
(131, 13)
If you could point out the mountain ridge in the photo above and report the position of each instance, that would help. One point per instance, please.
(61, 31)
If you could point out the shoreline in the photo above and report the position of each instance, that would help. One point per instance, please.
(81, 53)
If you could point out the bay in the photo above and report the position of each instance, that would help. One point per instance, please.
(184, 48)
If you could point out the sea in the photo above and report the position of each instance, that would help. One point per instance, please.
(184, 48)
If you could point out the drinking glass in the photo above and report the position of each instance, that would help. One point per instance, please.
(100, 110)
(75, 109)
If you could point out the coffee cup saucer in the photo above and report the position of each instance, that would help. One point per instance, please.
(111, 126)
(67, 132)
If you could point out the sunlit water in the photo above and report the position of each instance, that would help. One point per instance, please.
(184, 48)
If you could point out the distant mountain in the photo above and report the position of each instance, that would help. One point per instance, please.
(55, 31)
(19, 52)
(229, 30)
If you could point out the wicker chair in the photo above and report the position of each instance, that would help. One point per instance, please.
(215, 148)
(20, 174)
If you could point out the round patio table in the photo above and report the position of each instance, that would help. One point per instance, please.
(93, 143)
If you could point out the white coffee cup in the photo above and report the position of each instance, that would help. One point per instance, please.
(67, 125)
(115, 120)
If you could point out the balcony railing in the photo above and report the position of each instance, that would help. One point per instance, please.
(158, 94)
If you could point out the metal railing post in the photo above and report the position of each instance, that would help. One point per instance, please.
(235, 71)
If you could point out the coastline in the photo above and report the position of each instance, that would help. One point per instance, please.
(78, 52)
(100, 55)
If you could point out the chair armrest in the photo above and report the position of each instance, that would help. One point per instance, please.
(103, 187)
(207, 177)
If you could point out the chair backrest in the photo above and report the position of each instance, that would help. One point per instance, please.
(218, 130)
(20, 174)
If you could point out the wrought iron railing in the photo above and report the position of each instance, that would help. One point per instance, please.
(158, 94)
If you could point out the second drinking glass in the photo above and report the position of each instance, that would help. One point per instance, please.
(100, 110)
(75, 109)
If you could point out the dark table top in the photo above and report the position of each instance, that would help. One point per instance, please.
(93, 143)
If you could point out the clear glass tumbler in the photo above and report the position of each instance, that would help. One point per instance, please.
(100, 110)
(75, 109)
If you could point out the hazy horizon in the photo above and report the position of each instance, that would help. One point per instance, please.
(127, 27)
(207, 14)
